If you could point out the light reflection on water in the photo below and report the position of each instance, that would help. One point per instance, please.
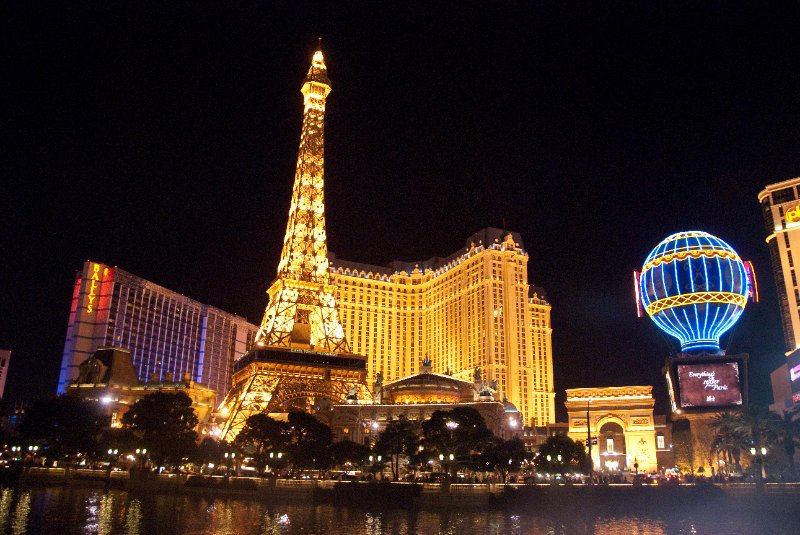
(68, 511)
(6, 498)
(99, 509)
(133, 518)
(19, 524)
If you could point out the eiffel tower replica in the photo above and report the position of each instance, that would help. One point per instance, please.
(301, 359)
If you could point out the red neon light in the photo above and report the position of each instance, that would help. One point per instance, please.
(639, 309)
(751, 275)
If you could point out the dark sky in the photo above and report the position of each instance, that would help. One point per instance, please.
(163, 139)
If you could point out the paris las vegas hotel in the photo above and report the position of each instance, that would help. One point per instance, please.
(472, 309)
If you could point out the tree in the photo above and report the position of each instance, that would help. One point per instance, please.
(123, 440)
(400, 438)
(460, 432)
(165, 423)
(209, 451)
(504, 456)
(456, 437)
(683, 446)
(758, 427)
(260, 436)
(729, 440)
(307, 441)
(786, 434)
(348, 452)
(560, 453)
(64, 425)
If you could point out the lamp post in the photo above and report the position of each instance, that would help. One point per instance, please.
(758, 454)
(141, 454)
(232, 457)
(589, 441)
(451, 426)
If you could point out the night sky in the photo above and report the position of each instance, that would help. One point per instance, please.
(163, 139)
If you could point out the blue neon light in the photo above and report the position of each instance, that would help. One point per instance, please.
(700, 277)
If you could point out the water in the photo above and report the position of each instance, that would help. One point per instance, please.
(66, 511)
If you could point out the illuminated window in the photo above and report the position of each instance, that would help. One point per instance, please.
(660, 441)
(610, 444)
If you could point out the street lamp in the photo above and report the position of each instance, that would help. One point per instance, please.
(232, 457)
(758, 454)
(589, 440)
(142, 453)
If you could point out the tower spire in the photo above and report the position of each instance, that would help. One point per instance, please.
(302, 308)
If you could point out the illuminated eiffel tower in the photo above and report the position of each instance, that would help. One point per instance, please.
(301, 360)
(301, 303)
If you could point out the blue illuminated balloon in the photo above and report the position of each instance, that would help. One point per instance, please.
(694, 287)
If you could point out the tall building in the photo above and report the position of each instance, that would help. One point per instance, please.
(780, 205)
(301, 360)
(168, 334)
(473, 309)
(5, 360)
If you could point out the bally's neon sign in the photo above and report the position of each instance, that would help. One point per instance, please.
(94, 286)
(793, 215)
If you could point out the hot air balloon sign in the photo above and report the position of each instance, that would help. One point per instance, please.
(694, 286)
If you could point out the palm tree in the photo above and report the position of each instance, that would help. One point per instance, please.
(786, 434)
(757, 425)
(729, 440)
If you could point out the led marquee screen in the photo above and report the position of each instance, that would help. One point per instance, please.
(794, 375)
(714, 384)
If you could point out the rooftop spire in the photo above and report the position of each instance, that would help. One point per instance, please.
(318, 72)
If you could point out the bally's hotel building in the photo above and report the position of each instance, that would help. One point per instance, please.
(171, 337)
(780, 205)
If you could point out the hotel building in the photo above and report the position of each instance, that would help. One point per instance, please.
(780, 205)
(169, 335)
(473, 309)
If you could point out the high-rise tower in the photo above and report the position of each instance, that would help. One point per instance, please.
(301, 360)
(780, 205)
(302, 308)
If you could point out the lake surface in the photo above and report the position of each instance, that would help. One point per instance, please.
(70, 510)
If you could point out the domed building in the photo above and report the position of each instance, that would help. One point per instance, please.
(417, 397)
